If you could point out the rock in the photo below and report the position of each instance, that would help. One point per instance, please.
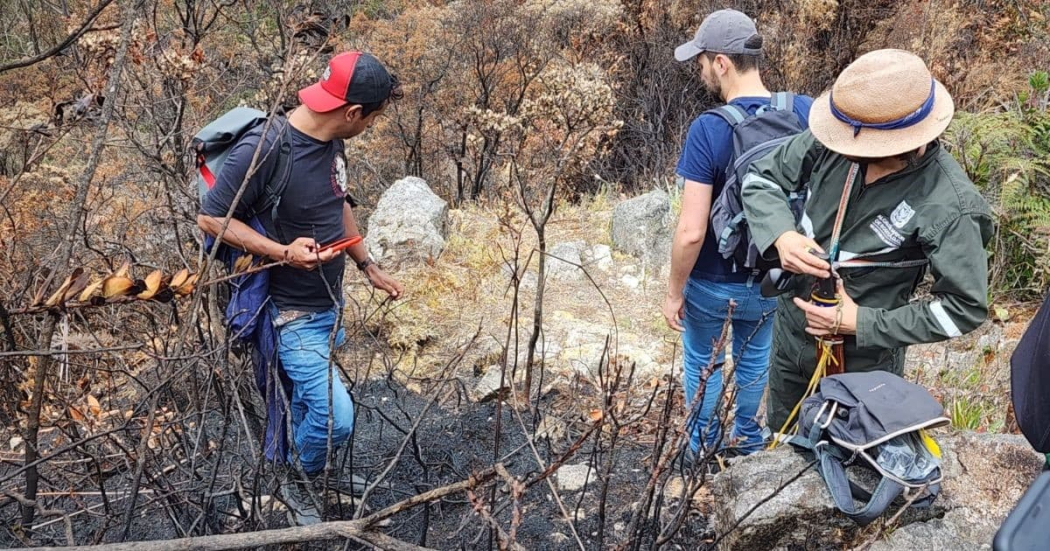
(410, 223)
(598, 256)
(642, 227)
(488, 387)
(984, 476)
(954, 531)
(630, 281)
(574, 477)
(564, 259)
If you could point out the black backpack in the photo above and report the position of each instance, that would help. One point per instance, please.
(875, 420)
(754, 136)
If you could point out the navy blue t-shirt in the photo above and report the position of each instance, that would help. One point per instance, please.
(704, 159)
(311, 206)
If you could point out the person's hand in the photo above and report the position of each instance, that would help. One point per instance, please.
(380, 280)
(825, 320)
(304, 253)
(796, 255)
(674, 311)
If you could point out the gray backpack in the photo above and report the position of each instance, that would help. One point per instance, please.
(213, 143)
(754, 136)
(876, 420)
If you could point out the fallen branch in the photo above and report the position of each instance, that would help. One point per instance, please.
(360, 529)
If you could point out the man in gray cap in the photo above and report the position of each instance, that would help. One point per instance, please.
(703, 282)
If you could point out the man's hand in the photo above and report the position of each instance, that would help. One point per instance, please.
(380, 280)
(674, 311)
(822, 320)
(796, 255)
(304, 253)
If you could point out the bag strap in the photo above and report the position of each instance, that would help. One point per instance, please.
(730, 113)
(277, 181)
(841, 490)
(782, 101)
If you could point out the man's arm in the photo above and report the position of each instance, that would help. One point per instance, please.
(302, 253)
(359, 254)
(688, 239)
(960, 291)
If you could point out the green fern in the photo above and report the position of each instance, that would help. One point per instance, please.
(1007, 155)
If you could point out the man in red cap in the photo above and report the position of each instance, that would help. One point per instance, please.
(306, 293)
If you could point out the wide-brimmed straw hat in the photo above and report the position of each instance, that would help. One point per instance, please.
(883, 104)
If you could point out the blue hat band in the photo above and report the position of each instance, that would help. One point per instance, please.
(911, 119)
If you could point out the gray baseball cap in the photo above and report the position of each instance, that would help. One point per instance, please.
(724, 32)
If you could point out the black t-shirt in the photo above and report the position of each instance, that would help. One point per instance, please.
(311, 206)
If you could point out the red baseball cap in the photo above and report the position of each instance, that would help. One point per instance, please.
(351, 77)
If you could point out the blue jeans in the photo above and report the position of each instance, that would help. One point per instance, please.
(303, 349)
(706, 306)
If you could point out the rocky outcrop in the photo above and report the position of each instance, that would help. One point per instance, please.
(984, 477)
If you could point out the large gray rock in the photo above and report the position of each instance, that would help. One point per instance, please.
(642, 227)
(410, 223)
(564, 260)
(984, 476)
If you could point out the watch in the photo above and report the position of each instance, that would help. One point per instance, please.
(368, 261)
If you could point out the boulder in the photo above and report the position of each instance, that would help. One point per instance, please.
(642, 227)
(984, 476)
(410, 223)
(564, 259)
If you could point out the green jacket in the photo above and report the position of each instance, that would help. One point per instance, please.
(930, 211)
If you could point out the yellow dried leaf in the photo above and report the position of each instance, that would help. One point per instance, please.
(153, 283)
(93, 406)
(188, 285)
(90, 291)
(179, 278)
(596, 414)
(123, 270)
(115, 286)
(242, 263)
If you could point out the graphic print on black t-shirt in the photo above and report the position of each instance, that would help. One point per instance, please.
(311, 206)
(339, 176)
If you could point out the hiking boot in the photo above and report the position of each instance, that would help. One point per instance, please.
(300, 503)
(354, 486)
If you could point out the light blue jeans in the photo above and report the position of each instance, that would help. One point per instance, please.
(706, 307)
(304, 351)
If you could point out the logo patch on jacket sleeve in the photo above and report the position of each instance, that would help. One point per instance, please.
(902, 214)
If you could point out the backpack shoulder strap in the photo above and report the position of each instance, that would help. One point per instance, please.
(782, 101)
(842, 490)
(732, 114)
(278, 177)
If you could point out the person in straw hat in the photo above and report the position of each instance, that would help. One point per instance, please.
(871, 155)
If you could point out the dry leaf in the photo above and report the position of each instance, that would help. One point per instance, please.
(123, 271)
(93, 406)
(115, 286)
(90, 291)
(596, 414)
(179, 278)
(153, 283)
(60, 294)
(76, 415)
(188, 285)
(242, 263)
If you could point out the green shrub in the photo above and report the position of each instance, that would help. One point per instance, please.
(1006, 152)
